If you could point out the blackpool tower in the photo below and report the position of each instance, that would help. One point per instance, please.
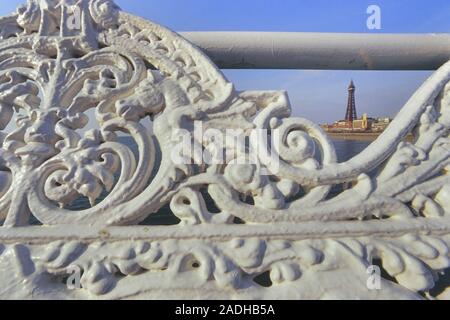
(350, 115)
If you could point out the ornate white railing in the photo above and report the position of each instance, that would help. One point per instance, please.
(256, 230)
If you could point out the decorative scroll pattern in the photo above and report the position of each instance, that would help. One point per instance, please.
(128, 70)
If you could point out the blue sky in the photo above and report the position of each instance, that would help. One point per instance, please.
(317, 95)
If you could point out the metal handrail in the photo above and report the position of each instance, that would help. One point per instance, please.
(346, 51)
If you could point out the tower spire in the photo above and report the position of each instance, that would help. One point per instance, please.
(350, 114)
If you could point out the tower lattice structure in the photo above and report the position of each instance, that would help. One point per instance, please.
(350, 114)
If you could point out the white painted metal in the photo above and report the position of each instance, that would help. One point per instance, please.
(346, 51)
(309, 244)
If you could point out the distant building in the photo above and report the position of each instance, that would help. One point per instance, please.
(365, 123)
(352, 123)
(380, 124)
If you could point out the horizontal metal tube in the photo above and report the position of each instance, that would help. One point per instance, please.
(292, 231)
(344, 51)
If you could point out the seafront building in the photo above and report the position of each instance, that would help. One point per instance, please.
(351, 123)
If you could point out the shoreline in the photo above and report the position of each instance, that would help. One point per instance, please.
(355, 136)
(359, 136)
